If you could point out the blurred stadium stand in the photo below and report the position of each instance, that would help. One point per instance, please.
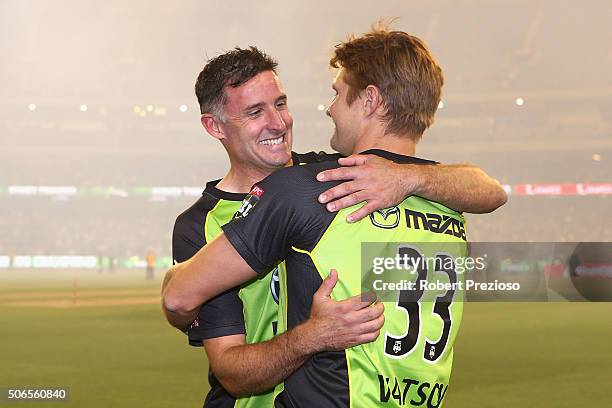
(140, 124)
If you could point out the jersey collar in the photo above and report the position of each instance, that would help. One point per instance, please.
(398, 158)
(211, 188)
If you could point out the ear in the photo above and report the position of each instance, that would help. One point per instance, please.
(212, 126)
(372, 100)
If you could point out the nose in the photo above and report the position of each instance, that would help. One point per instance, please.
(276, 121)
(327, 111)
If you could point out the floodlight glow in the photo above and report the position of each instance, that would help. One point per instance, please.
(160, 111)
(183, 108)
(519, 101)
(83, 108)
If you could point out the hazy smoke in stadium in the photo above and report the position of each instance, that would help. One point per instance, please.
(98, 98)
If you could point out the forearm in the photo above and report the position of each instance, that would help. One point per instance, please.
(246, 369)
(462, 187)
(253, 368)
(177, 318)
(212, 270)
(332, 325)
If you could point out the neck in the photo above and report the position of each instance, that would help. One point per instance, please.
(402, 144)
(240, 178)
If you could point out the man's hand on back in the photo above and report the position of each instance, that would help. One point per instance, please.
(337, 325)
(370, 178)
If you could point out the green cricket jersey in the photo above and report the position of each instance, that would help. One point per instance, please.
(410, 362)
(251, 309)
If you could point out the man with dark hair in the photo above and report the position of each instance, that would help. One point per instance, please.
(249, 115)
(233, 68)
(244, 107)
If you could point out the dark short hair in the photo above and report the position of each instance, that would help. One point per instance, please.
(402, 68)
(232, 68)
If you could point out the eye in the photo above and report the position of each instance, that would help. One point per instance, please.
(281, 103)
(254, 113)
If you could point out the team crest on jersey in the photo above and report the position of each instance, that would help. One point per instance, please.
(386, 218)
(249, 201)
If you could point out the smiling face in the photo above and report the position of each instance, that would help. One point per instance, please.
(258, 124)
(346, 117)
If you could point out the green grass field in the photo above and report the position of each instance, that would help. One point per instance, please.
(125, 355)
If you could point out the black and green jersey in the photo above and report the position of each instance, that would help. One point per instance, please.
(410, 362)
(251, 309)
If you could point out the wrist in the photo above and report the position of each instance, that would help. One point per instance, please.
(422, 175)
(305, 338)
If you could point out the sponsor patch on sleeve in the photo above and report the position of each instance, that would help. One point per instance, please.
(257, 191)
(249, 201)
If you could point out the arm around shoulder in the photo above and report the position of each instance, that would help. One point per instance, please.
(462, 187)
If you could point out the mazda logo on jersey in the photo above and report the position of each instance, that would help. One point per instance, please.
(386, 218)
(249, 202)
